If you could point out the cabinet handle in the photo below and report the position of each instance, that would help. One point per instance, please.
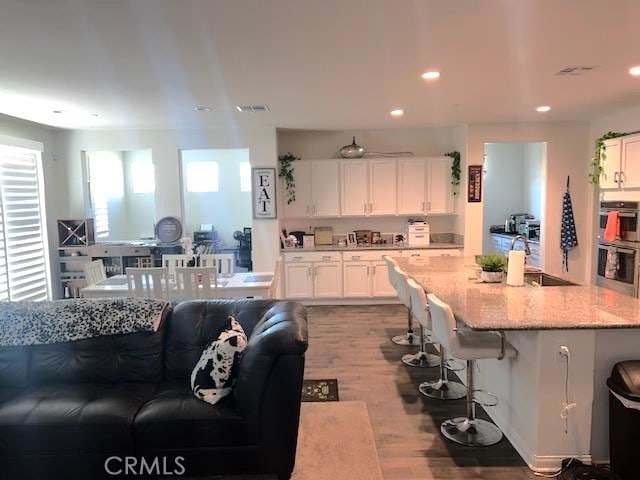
(423, 206)
(415, 255)
(370, 207)
(326, 258)
(615, 178)
(429, 206)
(364, 208)
(367, 270)
(355, 257)
(621, 177)
(297, 258)
(419, 236)
(308, 272)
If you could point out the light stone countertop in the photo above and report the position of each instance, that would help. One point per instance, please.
(335, 248)
(497, 306)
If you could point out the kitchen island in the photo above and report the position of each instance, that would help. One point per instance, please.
(598, 326)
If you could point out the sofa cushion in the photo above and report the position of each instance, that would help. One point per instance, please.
(213, 375)
(195, 323)
(74, 419)
(14, 364)
(176, 419)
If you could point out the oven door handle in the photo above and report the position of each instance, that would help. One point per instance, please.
(625, 250)
(620, 214)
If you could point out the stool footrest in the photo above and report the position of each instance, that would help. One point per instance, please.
(491, 400)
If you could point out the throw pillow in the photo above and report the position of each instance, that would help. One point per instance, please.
(215, 372)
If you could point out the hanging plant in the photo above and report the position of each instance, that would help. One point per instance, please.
(600, 155)
(455, 170)
(286, 172)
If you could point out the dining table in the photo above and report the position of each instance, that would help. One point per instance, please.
(231, 285)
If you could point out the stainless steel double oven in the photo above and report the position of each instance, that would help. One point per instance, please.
(619, 259)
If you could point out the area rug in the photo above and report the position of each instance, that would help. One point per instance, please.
(335, 442)
(325, 390)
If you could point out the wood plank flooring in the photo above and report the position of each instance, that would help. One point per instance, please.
(352, 344)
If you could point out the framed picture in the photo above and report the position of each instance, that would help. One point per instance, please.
(474, 191)
(376, 238)
(351, 239)
(263, 192)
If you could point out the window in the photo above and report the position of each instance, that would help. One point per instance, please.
(245, 177)
(143, 176)
(24, 270)
(202, 176)
(105, 183)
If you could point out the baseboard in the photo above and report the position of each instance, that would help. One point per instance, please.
(350, 301)
(552, 463)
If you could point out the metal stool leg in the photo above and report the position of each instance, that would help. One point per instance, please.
(443, 388)
(422, 359)
(408, 338)
(470, 430)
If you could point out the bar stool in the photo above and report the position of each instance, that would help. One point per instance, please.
(421, 359)
(470, 346)
(408, 338)
(443, 388)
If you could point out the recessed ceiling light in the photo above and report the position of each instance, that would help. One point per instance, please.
(95, 114)
(635, 71)
(398, 112)
(431, 75)
(58, 111)
(202, 109)
(543, 108)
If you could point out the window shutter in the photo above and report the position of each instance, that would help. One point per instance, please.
(23, 251)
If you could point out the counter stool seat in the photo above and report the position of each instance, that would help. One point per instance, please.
(470, 346)
(409, 338)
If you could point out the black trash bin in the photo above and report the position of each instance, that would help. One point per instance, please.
(624, 419)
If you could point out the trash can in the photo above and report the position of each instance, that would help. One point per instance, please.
(624, 419)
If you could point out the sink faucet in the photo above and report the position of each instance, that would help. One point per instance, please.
(527, 250)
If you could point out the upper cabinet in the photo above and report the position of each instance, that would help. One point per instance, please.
(368, 187)
(621, 163)
(317, 190)
(373, 186)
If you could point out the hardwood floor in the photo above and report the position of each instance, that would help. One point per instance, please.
(353, 345)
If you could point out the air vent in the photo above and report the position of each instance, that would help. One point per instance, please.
(582, 70)
(252, 108)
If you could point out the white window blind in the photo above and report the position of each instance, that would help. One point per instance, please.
(23, 251)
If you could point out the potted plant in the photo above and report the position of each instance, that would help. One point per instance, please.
(493, 266)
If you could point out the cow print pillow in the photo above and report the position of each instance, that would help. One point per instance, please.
(214, 374)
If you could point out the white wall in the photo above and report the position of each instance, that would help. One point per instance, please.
(532, 185)
(567, 154)
(165, 145)
(141, 207)
(55, 181)
(326, 144)
(228, 209)
(503, 186)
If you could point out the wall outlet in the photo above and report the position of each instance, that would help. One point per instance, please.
(564, 351)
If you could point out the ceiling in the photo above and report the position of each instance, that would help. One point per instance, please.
(318, 64)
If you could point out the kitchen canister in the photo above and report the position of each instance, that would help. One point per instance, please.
(515, 268)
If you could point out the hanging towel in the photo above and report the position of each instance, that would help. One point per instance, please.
(568, 237)
(612, 229)
(612, 264)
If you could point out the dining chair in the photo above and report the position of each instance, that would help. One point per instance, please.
(150, 282)
(94, 272)
(196, 282)
(173, 261)
(224, 262)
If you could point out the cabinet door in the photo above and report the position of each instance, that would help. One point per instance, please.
(355, 195)
(630, 166)
(380, 286)
(357, 283)
(327, 280)
(412, 174)
(611, 164)
(301, 206)
(298, 280)
(325, 188)
(382, 187)
(439, 192)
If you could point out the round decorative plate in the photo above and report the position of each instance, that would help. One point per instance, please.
(169, 230)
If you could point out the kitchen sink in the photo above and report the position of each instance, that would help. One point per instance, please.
(541, 279)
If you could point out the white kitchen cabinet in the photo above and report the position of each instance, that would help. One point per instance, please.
(535, 258)
(432, 252)
(317, 190)
(382, 187)
(611, 163)
(439, 191)
(298, 280)
(380, 285)
(630, 163)
(301, 206)
(325, 188)
(355, 187)
(327, 279)
(357, 281)
(412, 195)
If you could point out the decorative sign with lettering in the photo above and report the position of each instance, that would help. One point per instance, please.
(475, 183)
(263, 189)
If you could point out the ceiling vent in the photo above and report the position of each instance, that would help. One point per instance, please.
(581, 70)
(252, 108)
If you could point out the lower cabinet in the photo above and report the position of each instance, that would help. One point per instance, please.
(365, 274)
(327, 279)
(313, 275)
(432, 252)
(298, 280)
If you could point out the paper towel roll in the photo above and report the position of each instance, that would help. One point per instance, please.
(515, 268)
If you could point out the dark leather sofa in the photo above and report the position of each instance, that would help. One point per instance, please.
(68, 409)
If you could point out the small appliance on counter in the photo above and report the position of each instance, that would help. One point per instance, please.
(418, 234)
(531, 229)
(324, 235)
